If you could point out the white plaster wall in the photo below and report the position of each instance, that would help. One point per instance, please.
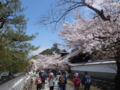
(108, 67)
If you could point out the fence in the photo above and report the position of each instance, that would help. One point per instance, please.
(15, 84)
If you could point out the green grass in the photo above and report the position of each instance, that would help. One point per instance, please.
(82, 87)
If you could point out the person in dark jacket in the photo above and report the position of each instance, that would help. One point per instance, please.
(62, 81)
(43, 76)
(76, 81)
(86, 81)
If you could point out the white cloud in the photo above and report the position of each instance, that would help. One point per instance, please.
(39, 50)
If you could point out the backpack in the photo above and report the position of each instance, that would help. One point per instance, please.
(62, 79)
(39, 81)
(43, 76)
(77, 82)
(87, 79)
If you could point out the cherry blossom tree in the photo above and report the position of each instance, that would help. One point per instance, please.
(92, 34)
(51, 62)
(102, 29)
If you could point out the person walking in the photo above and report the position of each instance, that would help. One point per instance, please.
(57, 78)
(43, 76)
(63, 81)
(86, 81)
(76, 81)
(51, 82)
(38, 82)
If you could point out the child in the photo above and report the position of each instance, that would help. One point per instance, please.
(76, 81)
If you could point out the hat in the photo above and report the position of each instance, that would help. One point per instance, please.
(42, 71)
(86, 72)
(51, 74)
(76, 75)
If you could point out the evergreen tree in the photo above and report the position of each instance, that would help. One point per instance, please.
(50, 51)
(14, 46)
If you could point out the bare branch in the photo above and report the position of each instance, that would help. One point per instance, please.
(100, 13)
(63, 7)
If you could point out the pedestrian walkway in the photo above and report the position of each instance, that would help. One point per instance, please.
(56, 88)
(31, 86)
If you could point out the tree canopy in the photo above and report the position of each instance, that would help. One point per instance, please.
(89, 34)
(14, 45)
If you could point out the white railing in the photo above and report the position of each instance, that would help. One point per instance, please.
(15, 84)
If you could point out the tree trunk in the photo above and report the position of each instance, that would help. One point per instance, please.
(117, 78)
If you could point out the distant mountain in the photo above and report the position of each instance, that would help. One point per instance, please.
(50, 51)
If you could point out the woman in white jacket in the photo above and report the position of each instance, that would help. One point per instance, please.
(51, 82)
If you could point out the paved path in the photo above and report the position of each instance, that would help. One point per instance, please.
(32, 86)
(47, 87)
(56, 88)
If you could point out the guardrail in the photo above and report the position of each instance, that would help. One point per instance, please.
(15, 84)
(20, 84)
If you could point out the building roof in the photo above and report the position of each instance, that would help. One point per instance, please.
(94, 62)
(70, 55)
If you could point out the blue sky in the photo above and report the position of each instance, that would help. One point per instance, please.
(45, 37)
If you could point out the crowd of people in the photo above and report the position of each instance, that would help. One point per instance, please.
(61, 80)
